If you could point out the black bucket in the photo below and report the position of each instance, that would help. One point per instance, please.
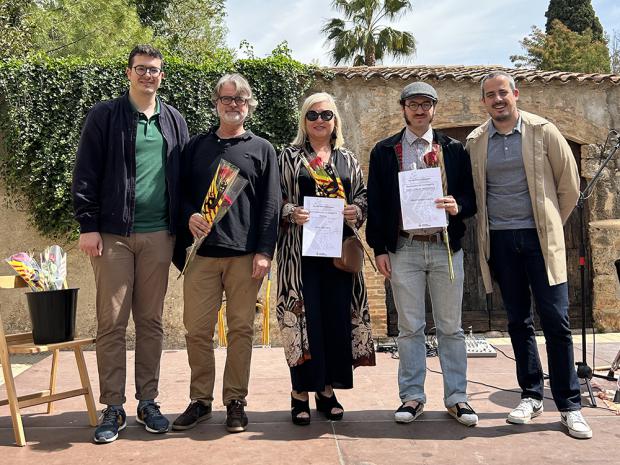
(53, 315)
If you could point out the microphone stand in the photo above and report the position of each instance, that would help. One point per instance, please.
(583, 370)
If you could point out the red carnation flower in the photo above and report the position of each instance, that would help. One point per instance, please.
(316, 162)
(399, 149)
(431, 159)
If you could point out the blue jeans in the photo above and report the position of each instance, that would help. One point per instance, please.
(414, 265)
(518, 265)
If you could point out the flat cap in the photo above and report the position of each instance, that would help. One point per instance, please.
(419, 88)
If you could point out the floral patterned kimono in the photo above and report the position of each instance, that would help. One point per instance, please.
(290, 309)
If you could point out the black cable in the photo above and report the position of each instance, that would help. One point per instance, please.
(503, 353)
(593, 347)
(545, 375)
(480, 383)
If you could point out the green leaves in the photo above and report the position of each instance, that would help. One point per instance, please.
(192, 29)
(368, 40)
(564, 50)
(16, 28)
(87, 29)
(43, 104)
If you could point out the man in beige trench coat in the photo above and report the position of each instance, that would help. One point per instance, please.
(527, 184)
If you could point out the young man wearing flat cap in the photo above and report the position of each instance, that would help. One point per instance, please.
(415, 259)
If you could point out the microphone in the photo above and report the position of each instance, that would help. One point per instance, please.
(610, 142)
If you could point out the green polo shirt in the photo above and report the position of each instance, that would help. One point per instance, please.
(151, 212)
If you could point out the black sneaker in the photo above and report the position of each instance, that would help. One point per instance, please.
(236, 419)
(112, 420)
(195, 412)
(152, 419)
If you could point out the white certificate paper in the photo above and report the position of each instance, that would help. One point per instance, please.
(418, 191)
(322, 234)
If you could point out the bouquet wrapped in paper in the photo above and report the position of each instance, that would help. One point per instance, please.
(49, 275)
(223, 191)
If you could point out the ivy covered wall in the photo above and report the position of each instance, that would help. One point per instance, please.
(43, 105)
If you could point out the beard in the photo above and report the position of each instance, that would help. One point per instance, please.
(233, 117)
(502, 117)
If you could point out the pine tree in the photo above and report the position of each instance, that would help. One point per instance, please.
(577, 15)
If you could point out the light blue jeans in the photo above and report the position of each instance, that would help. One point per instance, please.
(414, 265)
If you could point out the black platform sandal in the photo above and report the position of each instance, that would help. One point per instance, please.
(325, 405)
(297, 407)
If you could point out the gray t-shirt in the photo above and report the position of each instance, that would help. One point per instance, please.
(508, 199)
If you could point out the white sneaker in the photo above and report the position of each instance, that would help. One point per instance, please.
(527, 409)
(406, 414)
(577, 425)
(464, 414)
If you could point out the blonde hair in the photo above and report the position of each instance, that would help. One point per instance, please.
(300, 138)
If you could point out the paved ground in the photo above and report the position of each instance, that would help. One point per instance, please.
(366, 436)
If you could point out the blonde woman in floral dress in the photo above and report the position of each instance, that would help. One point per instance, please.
(322, 311)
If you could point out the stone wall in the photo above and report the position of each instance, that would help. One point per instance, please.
(605, 244)
(603, 215)
(583, 110)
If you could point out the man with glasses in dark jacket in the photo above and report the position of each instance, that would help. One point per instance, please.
(125, 200)
(414, 259)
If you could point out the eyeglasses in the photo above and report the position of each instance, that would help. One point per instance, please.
(142, 70)
(326, 115)
(414, 105)
(227, 100)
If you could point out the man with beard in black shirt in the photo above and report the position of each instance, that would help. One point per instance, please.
(235, 255)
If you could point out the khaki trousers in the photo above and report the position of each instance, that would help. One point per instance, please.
(131, 277)
(204, 282)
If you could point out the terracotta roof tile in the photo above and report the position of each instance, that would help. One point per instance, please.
(461, 73)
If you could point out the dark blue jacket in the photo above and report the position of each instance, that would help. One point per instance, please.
(382, 225)
(104, 177)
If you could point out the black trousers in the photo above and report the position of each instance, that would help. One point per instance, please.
(518, 265)
(327, 302)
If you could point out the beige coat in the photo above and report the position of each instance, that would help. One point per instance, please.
(553, 183)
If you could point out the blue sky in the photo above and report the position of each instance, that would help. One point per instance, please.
(448, 32)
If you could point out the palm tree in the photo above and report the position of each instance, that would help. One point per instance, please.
(367, 40)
